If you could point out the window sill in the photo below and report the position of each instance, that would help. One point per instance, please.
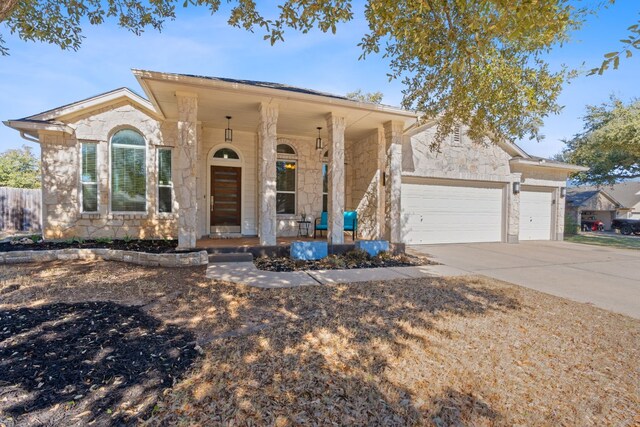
(167, 215)
(128, 215)
(89, 215)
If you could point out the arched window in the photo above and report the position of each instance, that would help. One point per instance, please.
(286, 166)
(128, 172)
(285, 149)
(226, 153)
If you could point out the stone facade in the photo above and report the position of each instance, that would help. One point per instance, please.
(60, 157)
(363, 175)
(140, 258)
(367, 193)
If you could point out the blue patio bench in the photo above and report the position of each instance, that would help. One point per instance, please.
(350, 223)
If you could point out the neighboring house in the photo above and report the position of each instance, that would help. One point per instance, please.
(604, 203)
(176, 166)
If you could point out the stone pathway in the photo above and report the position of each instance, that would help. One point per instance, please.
(247, 273)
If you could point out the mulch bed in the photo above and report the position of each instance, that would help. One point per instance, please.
(149, 246)
(103, 360)
(346, 261)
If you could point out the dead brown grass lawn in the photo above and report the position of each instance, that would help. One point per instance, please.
(464, 351)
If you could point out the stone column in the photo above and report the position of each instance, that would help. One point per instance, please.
(185, 168)
(60, 176)
(267, 140)
(560, 214)
(335, 205)
(381, 164)
(513, 212)
(393, 185)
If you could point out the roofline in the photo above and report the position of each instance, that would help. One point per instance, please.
(414, 129)
(142, 75)
(33, 126)
(552, 165)
(93, 101)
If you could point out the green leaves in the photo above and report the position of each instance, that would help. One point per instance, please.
(613, 58)
(609, 144)
(19, 168)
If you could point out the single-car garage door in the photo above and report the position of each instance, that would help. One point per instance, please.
(535, 215)
(451, 212)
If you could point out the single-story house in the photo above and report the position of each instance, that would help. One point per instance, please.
(203, 156)
(604, 203)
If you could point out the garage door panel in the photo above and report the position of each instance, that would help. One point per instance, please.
(535, 215)
(451, 214)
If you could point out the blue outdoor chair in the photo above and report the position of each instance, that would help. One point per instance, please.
(350, 223)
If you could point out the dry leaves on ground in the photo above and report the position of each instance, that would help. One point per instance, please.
(465, 351)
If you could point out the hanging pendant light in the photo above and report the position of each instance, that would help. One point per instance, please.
(228, 132)
(319, 140)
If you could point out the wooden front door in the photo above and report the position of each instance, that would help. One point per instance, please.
(225, 198)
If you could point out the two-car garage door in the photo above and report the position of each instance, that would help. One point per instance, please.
(455, 211)
(452, 212)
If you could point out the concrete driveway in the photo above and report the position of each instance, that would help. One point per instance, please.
(606, 277)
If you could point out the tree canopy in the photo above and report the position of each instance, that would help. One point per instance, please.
(19, 168)
(480, 62)
(372, 97)
(609, 144)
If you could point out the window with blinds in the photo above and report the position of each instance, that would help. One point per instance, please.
(128, 172)
(165, 183)
(89, 177)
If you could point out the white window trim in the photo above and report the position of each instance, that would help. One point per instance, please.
(288, 158)
(83, 183)
(170, 185)
(146, 173)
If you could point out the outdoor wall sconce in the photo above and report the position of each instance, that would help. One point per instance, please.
(563, 192)
(228, 132)
(516, 188)
(384, 179)
(319, 140)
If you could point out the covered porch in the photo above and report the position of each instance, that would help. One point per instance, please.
(252, 159)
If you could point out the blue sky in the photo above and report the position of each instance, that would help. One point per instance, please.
(37, 77)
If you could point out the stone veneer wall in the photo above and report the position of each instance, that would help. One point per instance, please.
(365, 185)
(308, 182)
(62, 216)
(140, 258)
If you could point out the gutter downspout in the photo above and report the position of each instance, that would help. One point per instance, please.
(30, 139)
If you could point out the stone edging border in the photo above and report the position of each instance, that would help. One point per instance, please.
(141, 258)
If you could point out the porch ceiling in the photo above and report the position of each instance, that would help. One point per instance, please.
(299, 113)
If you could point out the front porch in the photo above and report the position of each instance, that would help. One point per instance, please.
(252, 160)
(252, 245)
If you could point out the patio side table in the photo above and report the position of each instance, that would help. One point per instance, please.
(303, 228)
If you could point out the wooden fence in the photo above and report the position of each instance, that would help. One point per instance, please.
(20, 209)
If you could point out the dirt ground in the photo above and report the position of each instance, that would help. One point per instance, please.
(459, 351)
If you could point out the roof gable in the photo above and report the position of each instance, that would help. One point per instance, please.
(95, 102)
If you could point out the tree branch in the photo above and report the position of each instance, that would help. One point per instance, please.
(6, 8)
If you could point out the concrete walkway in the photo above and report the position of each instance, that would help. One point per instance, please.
(606, 277)
(247, 273)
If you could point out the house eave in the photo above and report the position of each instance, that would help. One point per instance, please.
(33, 127)
(549, 165)
(193, 81)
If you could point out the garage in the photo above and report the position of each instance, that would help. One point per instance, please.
(452, 211)
(535, 214)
